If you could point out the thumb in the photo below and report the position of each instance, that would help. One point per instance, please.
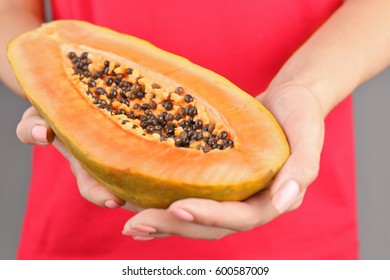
(32, 129)
(300, 115)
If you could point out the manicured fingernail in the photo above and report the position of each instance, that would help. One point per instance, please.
(143, 238)
(133, 233)
(139, 230)
(286, 196)
(112, 204)
(183, 214)
(39, 133)
(143, 228)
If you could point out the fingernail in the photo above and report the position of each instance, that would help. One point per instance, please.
(139, 230)
(39, 133)
(143, 228)
(182, 214)
(143, 238)
(286, 196)
(112, 204)
(133, 233)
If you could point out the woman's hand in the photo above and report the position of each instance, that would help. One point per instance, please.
(300, 114)
(32, 129)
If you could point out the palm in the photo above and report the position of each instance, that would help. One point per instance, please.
(300, 114)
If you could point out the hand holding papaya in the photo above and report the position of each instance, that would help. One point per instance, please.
(300, 114)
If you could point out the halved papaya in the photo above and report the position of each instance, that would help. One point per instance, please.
(149, 125)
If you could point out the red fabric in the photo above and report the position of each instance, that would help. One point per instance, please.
(247, 42)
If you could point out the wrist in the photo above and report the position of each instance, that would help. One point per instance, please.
(324, 81)
(314, 90)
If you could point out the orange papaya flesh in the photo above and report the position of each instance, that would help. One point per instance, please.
(145, 107)
(144, 154)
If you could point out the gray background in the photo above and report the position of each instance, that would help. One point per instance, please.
(372, 131)
(372, 117)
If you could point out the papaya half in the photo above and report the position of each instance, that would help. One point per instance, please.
(149, 125)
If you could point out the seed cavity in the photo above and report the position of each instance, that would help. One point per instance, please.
(146, 107)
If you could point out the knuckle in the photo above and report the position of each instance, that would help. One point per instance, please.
(22, 135)
(83, 191)
(28, 112)
(310, 172)
(19, 133)
(177, 204)
(297, 204)
(91, 195)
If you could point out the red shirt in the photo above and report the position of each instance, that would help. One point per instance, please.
(247, 42)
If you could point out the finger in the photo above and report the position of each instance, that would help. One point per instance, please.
(92, 190)
(32, 129)
(142, 232)
(236, 216)
(133, 208)
(161, 223)
(61, 148)
(89, 188)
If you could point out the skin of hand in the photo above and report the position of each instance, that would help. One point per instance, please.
(334, 61)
